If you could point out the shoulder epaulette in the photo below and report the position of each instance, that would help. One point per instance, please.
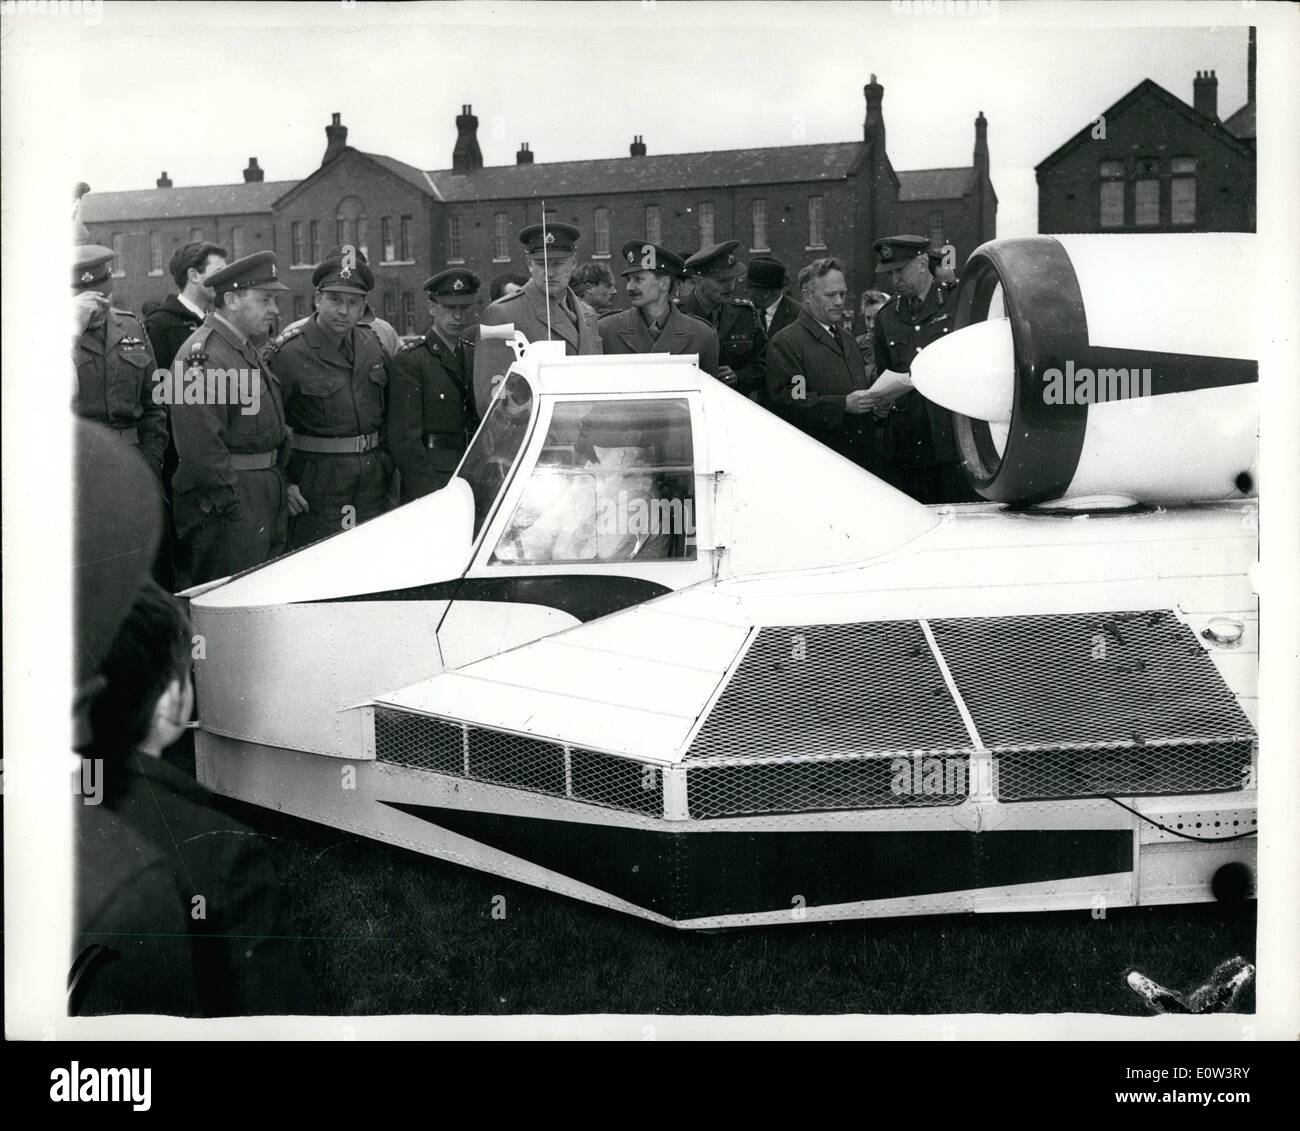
(609, 314)
(286, 335)
(742, 302)
(510, 297)
(125, 313)
(407, 347)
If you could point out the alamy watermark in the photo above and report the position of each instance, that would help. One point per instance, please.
(179, 385)
(92, 11)
(1094, 386)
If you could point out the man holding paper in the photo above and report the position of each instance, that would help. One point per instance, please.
(922, 454)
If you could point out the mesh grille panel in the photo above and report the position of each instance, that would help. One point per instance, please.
(603, 779)
(1176, 767)
(717, 789)
(833, 689)
(508, 759)
(419, 741)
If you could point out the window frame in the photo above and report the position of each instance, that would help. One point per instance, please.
(757, 226)
(706, 240)
(155, 254)
(600, 232)
(455, 239)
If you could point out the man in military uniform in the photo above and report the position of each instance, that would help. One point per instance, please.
(653, 324)
(551, 251)
(430, 403)
(232, 510)
(741, 341)
(816, 377)
(387, 334)
(333, 377)
(922, 453)
(114, 363)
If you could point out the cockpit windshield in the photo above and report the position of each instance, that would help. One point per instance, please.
(497, 445)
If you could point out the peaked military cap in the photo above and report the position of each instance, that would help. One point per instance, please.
(558, 239)
(91, 266)
(453, 287)
(717, 259)
(642, 256)
(348, 274)
(894, 252)
(253, 272)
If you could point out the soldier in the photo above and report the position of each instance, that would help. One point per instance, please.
(741, 341)
(766, 280)
(594, 284)
(387, 334)
(333, 377)
(114, 363)
(232, 510)
(654, 324)
(923, 454)
(552, 257)
(430, 404)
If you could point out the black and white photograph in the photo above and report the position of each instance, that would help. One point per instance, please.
(650, 520)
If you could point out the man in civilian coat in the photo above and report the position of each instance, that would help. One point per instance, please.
(653, 324)
(816, 378)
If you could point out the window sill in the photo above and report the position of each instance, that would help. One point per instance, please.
(397, 263)
(505, 260)
(600, 255)
(816, 247)
(759, 250)
(119, 274)
(156, 274)
(455, 262)
(302, 267)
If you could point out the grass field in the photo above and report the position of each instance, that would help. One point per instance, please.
(387, 931)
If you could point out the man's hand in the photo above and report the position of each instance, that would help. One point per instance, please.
(858, 402)
(297, 504)
(726, 375)
(85, 306)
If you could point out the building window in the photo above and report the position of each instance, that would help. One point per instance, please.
(155, 253)
(653, 232)
(1112, 204)
(404, 232)
(454, 251)
(237, 242)
(349, 219)
(315, 241)
(706, 223)
(1182, 190)
(816, 221)
(936, 228)
(362, 233)
(299, 307)
(601, 226)
(390, 308)
(758, 216)
(501, 238)
(119, 255)
(408, 313)
(386, 238)
(1146, 202)
(299, 248)
(196, 235)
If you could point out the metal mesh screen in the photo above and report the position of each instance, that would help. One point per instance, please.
(848, 689)
(509, 759)
(1082, 704)
(419, 741)
(605, 779)
(719, 789)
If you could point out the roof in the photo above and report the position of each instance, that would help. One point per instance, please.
(781, 164)
(408, 173)
(1148, 89)
(935, 184)
(1242, 123)
(173, 203)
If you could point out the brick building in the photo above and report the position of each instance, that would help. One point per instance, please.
(791, 202)
(1159, 165)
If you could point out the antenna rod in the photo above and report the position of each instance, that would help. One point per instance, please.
(546, 266)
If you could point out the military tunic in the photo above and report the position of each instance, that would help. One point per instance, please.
(229, 487)
(626, 331)
(329, 397)
(430, 413)
(572, 320)
(741, 341)
(114, 382)
(921, 449)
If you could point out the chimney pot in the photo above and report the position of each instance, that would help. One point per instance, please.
(336, 139)
(637, 148)
(164, 181)
(525, 155)
(1205, 94)
(466, 156)
(253, 173)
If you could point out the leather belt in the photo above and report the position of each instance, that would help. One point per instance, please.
(335, 445)
(129, 435)
(252, 461)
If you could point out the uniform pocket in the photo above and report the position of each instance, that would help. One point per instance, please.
(321, 386)
(379, 375)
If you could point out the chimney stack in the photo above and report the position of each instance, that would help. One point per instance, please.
(164, 181)
(1205, 94)
(253, 173)
(637, 148)
(466, 157)
(1250, 69)
(873, 128)
(982, 142)
(525, 155)
(336, 137)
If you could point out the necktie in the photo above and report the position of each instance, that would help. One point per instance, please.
(345, 348)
